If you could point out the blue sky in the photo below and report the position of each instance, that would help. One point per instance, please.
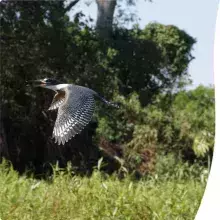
(196, 17)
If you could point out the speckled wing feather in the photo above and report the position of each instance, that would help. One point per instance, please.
(74, 113)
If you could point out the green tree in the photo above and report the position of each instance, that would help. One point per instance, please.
(38, 40)
(151, 60)
(184, 127)
(195, 116)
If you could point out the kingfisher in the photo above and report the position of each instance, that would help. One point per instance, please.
(75, 106)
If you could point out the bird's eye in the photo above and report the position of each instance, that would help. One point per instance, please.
(48, 80)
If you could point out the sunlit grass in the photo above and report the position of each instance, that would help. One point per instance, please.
(67, 197)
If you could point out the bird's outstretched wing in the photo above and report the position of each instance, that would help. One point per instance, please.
(58, 100)
(74, 113)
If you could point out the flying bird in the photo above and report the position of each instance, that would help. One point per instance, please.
(75, 106)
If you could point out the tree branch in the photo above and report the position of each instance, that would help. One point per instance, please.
(71, 4)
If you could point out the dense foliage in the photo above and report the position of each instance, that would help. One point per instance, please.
(161, 132)
(140, 69)
(181, 124)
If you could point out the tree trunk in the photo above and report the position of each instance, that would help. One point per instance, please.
(3, 143)
(104, 22)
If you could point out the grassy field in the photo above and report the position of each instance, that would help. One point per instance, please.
(98, 197)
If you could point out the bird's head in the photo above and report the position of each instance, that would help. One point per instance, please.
(48, 83)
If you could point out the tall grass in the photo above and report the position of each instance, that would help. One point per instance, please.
(97, 197)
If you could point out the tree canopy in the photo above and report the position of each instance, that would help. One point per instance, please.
(135, 67)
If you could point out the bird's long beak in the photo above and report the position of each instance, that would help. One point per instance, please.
(36, 83)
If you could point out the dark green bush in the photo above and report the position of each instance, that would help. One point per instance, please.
(138, 68)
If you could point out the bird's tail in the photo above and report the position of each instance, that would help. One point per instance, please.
(107, 102)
